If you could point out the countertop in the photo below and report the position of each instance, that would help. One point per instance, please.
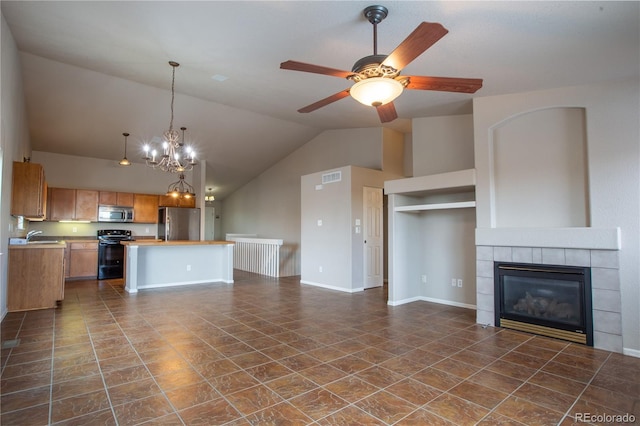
(39, 245)
(160, 243)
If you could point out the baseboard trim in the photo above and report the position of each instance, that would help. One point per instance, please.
(332, 287)
(631, 352)
(432, 300)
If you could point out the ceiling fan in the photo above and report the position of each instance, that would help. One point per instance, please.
(377, 77)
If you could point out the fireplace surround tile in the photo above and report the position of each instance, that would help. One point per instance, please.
(605, 259)
(553, 256)
(577, 257)
(522, 254)
(605, 281)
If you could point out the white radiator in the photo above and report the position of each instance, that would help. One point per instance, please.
(265, 256)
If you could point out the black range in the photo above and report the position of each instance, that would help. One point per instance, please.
(111, 252)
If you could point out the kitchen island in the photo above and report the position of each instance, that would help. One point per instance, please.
(154, 263)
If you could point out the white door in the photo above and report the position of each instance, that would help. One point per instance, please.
(373, 237)
(209, 223)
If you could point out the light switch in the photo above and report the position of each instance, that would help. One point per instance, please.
(319, 222)
(357, 229)
(357, 222)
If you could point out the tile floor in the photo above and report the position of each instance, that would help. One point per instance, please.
(266, 351)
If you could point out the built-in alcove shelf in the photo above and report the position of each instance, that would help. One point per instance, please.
(435, 206)
(460, 181)
(431, 226)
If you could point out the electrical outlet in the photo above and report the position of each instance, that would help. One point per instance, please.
(453, 282)
(188, 268)
(74, 229)
(319, 268)
(146, 230)
(319, 222)
(459, 282)
(423, 278)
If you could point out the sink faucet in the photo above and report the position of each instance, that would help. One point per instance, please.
(30, 234)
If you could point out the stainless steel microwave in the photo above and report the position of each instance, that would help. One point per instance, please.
(115, 214)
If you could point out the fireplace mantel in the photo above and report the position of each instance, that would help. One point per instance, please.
(572, 238)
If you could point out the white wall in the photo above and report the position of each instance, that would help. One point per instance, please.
(325, 234)
(442, 242)
(612, 134)
(14, 144)
(269, 205)
(442, 144)
(540, 159)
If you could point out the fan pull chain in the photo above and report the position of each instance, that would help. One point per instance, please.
(375, 38)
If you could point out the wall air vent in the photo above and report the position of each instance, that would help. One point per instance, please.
(331, 177)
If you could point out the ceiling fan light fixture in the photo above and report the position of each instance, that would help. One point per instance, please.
(376, 91)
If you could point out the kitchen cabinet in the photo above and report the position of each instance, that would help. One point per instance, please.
(169, 201)
(112, 198)
(145, 208)
(73, 204)
(35, 276)
(83, 259)
(29, 191)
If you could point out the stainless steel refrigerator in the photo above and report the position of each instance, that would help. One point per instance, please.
(177, 223)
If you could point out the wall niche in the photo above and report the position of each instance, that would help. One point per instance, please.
(540, 171)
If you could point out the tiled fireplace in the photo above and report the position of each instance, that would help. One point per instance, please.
(605, 284)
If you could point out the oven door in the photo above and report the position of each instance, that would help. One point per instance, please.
(110, 260)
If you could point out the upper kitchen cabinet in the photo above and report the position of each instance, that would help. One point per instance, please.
(29, 191)
(110, 198)
(145, 208)
(170, 201)
(73, 204)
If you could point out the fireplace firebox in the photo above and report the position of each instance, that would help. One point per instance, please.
(549, 300)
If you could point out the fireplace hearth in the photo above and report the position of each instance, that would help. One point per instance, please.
(549, 300)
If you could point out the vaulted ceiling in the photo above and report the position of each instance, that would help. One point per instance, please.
(95, 69)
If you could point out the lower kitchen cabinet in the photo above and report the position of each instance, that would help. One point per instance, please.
(35, 277)
(83, 260)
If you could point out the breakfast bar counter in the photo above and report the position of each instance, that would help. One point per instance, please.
(155, 263)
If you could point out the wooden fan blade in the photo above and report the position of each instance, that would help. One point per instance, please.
(422, 38)
(387, 112)
(316, 69)
(325, 101)
(445, 84)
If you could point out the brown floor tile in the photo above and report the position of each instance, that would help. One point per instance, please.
(78, 405)
(32, 416)
(318, 403)
(542, 396)
(351, 388)
(142, 410)
(189, 396)
(414, 391)
(386, 406)
(62, 390)
(478, 394)
(279, 414)
(527, 412)
(265, 354)
(422, 417)
(250, 400)
(350, 416)
(557, 383)
(24, 399)
(456, 409)
(291, 386)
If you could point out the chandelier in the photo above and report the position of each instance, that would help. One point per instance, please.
(172, 156)
(181, 188)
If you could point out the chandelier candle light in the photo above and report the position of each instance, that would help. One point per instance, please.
(175, 157)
